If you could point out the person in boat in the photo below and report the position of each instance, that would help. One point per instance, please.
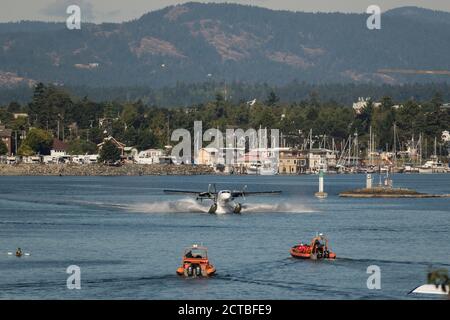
(19, 252)
(318, 247)
(194, 256)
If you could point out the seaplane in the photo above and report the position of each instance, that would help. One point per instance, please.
(224, 201)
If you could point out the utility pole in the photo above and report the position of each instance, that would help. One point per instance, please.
(395, 147)
(370, 146)
(435, 150)
(58, 128)
(63, 134)
(356, 160)
(420, 149)
(15, 142)
(168, 129)
(310, 139)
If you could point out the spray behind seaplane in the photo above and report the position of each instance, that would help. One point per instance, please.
(223, 201)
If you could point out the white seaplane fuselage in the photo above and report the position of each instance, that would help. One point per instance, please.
(226, 204)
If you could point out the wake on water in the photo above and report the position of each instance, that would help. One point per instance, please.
(193, 206)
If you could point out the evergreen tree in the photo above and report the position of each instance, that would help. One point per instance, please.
(272, 99)
(3, 148)
(39, 141)
(109, 153)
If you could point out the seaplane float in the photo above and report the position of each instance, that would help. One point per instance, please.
(317, 249)
(224, 201)
(196, 263)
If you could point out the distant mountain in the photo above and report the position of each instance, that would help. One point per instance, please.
(197, 42)
(421, 15)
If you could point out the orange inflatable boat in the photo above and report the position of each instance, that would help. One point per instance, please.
(196, 263)
(318, 249)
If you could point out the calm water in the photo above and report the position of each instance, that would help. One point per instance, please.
(128, 237)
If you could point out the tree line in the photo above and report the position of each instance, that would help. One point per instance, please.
(54, 112)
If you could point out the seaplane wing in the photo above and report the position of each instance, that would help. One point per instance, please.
(200, 194)
(223, 200)
(236, 194)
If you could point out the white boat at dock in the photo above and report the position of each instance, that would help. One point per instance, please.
(433, 166)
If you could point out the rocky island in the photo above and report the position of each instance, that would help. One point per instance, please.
(388, 192)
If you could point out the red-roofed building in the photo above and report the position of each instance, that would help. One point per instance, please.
(59, 148)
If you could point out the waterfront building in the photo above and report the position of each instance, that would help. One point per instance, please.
(292, 162)
(321, 159)
(149, 156)
(208, 156)
(59, 149)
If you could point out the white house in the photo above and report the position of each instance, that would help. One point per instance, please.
(59, 149)
(445, 136)
(149, 156)
(321, 159)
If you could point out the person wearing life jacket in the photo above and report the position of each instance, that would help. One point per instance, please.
(19, 252)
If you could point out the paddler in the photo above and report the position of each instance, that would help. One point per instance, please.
(19, 252)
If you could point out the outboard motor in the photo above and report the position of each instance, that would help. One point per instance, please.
(190, 271)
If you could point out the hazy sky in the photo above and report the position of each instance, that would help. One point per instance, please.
(121, 10)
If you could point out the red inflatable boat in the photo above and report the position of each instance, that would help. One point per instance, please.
(318, 249)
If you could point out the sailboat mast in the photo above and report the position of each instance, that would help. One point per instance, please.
(370, 147)
(420, 149)
(435, 151)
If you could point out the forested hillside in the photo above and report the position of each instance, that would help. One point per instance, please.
(194, 43)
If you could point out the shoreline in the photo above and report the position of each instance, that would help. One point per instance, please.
(129, 169)
(103, 170)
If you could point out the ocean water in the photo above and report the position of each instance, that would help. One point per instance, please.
(127, 237)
